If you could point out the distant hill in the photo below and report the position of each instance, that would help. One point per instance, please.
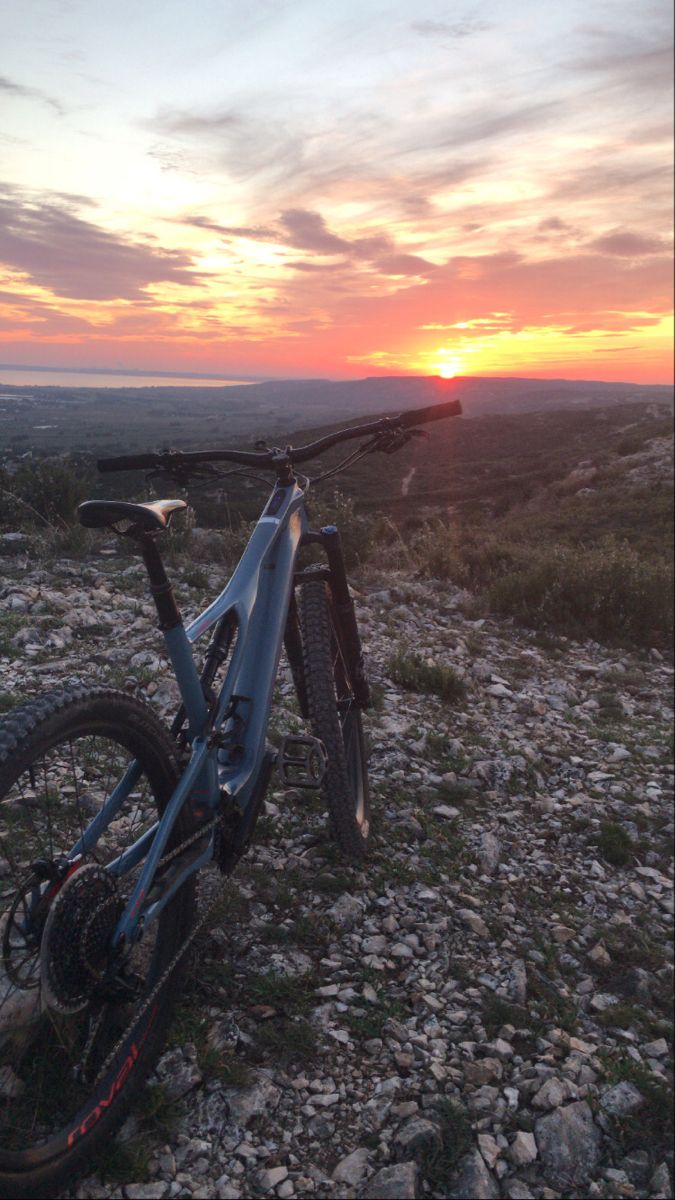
(111, 420)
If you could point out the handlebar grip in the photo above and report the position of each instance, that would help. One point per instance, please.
(133, 462)
(435, 412)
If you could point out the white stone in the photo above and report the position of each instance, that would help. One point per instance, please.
(523, 1148)
(488, 1148)
(622, 1099)
(352, 1168)
(476, 923)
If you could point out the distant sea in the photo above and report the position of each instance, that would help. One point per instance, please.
(105, 379)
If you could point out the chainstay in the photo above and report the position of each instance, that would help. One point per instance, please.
(171, 966)
(150, 998)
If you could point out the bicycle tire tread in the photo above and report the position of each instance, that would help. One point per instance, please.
(23, 731)
(318, 671)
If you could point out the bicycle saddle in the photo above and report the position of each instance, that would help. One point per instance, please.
(106, 514)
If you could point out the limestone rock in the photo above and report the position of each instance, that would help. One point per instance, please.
(256, 1098)
(474, 1179)
(352, 1168)
(489, 852)
(399, 1182)
(523, 1148)
(417, 1137)
(569, 1144)
(622, 1099)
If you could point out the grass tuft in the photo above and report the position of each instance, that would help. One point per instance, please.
(415, 674)
(439, 1163)
(615, 845)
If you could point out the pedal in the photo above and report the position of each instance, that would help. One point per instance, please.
(302, 762)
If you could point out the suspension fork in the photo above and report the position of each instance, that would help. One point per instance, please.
(336, 575)
(332, 544)
(293, 648)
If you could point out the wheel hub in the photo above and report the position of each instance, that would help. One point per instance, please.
(77, 937)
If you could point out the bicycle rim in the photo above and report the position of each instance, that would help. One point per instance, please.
(71, 1047)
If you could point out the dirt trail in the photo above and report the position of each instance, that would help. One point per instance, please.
(405, 483)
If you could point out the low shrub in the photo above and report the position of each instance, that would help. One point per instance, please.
(415, 674)
(357, 531)
(44, 492)
(615, 844)
(607, 592)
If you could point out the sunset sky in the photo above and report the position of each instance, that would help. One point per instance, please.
(288, 188)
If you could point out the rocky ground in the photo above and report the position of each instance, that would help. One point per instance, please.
(483, 1010)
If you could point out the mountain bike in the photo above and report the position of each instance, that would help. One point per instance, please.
(107, 816)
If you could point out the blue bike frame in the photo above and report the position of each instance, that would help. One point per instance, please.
(228, 754)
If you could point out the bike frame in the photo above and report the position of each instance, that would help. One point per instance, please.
(228, 759)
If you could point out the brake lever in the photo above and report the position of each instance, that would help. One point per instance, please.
(392, 440)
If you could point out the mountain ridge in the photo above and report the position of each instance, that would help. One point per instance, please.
(50, 419)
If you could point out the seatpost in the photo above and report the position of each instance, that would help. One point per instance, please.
(161, 589)
(175, 637)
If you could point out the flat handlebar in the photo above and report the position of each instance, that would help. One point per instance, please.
(275, 459)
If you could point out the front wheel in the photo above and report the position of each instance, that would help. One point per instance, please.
(335, 718)
(76, 1043)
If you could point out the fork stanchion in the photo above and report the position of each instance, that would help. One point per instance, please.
(332, 542)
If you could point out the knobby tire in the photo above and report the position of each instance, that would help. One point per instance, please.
(335, 718)
(43, 1146)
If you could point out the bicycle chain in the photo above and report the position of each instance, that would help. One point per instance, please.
(171, 966)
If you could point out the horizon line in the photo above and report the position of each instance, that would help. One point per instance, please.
(140, 373)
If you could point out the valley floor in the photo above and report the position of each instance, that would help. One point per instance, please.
(483, 1010)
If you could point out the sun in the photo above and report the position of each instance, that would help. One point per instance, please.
(449, 368)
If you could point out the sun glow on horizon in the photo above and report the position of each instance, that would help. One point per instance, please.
(295, 203)
(449, 367)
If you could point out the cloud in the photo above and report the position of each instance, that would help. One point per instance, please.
(12, 88)
(635, 178)
(627, 244)
(576, 294)
(245, 145)
(43, 238)
(258, 233)
(555, 225)
(404, 264)
(484, 124)
(627, 64)
(454, 29)
(299, 265)
(308, 231)
(38, 318)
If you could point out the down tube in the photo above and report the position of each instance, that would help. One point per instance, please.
(264, 635)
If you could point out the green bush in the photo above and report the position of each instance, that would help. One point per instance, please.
(43, 492)
(608, 592)
(416, 675)
(356, 530)
(442, 1158)
(469, 560)
(614, 844)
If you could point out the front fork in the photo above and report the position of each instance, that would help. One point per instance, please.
(336, 575)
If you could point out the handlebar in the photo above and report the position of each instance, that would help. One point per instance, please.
(277, 459)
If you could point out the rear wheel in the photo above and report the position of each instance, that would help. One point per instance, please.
(75, 1042)
(335, 718)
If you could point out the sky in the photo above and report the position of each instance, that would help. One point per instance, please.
(290, 188)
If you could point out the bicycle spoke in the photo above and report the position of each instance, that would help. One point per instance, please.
(48, 808)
